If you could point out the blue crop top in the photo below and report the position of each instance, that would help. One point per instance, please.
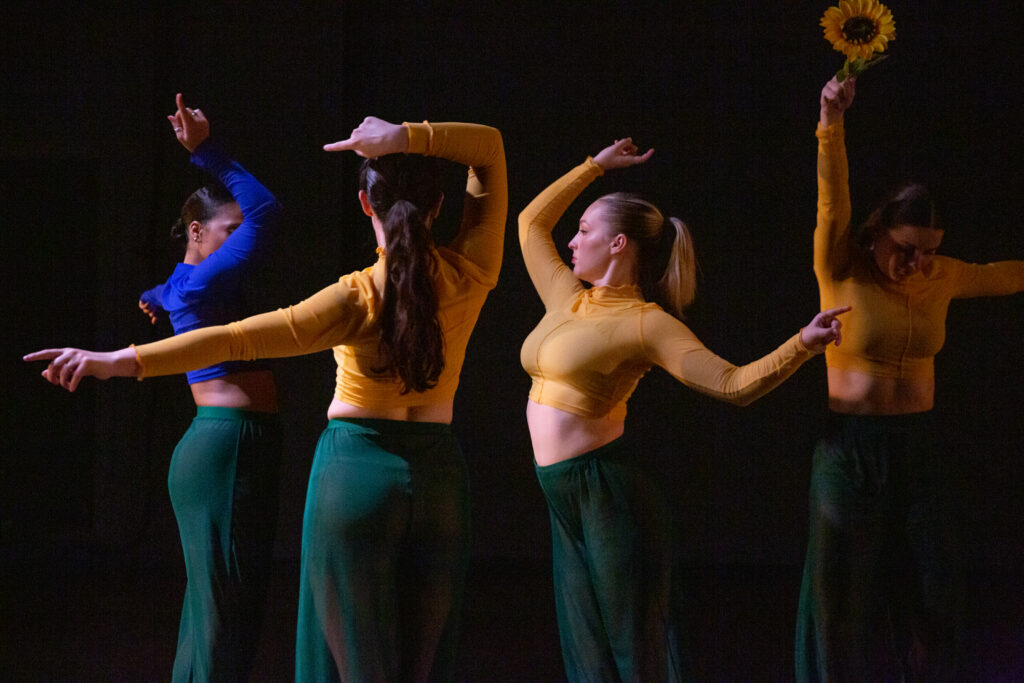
(213, 292)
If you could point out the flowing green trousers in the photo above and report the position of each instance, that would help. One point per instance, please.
(223, 482)
(385, 544)
(612, 546)
(881, 597)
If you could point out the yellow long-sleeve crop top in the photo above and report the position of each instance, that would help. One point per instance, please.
(895, 328)
(344, 315)
(593, 345)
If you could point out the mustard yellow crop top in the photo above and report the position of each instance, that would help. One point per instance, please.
(593, 345)
(894, 329)
(344, 315)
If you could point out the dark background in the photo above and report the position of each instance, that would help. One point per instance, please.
(727, 94)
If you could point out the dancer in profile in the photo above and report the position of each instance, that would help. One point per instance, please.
(610, 525)
(882, 586)
(223, 478)
(385, 531)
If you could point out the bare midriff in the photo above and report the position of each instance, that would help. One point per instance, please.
(435, 412)
(254, 391)
(558, 435)
(859, 393)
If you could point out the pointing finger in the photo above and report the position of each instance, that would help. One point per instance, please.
(340, 146)
(45, 354)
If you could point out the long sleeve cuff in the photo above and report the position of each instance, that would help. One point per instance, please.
(420, 137)
(837, 131)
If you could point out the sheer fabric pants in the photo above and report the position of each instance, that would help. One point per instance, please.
(618, 616)
(882, 594)
(385, 542)
(223, 482)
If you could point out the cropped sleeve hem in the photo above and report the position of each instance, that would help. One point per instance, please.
(830, 133)
(420, 137)
(591, 164)
(803, 347)
(138, 359)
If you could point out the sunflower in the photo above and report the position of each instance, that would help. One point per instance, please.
(859, 29)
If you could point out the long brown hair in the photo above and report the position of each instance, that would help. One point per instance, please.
(667, 262)
(404, 191)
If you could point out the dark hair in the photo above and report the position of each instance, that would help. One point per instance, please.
(403, 191)
(668, 265)
(909, 204)
(201, 205)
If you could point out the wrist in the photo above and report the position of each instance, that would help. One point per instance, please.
(829, 118)
(401, 135)
(126, 362)
(807, 345)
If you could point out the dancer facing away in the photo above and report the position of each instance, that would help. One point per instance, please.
(610, 527)
(882, 577)
(223, 477)
(385, 531)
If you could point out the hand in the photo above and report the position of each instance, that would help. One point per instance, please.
(620, 154)
(823, 328)
(374, 138)
(150, 311)
(68, 366)
(836, 98)
(190, 125)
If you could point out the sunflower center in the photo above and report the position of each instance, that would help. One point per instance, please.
(859, 30)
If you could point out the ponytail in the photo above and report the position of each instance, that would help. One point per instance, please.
(667, 263)
(403, 191)
(678, 284)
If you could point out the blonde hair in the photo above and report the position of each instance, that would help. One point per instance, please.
(667, 261)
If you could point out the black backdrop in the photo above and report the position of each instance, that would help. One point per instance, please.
(92, 178)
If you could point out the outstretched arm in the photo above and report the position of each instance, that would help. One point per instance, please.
(553, 280)
(68, 366)
(335, 315)
(671, 344)
(485, 207)
(832, 234)
(990, 279)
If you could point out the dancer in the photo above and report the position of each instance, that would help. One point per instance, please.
(223, 477)
(385, 531)
(882, 576)
(610, 525)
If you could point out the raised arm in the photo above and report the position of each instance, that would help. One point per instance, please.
(553, 280)
(481, 236)
(832, 234)
(485, 208)
(335, 315)
(670, 344)
(260, 209)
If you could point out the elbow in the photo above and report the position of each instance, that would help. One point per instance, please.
(741, 400)
(499, 144)
(525, 227)
(267, 210)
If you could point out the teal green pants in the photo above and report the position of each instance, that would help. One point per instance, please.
(612, 546)
(385, 544)
(881, 597)
(223, 482)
